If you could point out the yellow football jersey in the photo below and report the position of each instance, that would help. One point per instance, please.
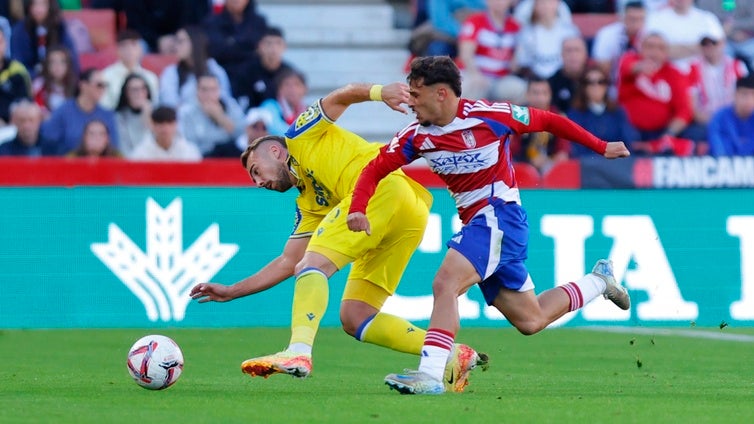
(327, 161)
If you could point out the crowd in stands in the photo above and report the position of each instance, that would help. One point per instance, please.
(223, 80)
(668, 77)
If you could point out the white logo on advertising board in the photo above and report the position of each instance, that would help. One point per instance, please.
(162, 276)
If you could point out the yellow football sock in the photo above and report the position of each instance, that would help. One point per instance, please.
(392, 332)
(309, 304)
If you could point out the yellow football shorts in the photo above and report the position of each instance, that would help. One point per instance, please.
(398, 214)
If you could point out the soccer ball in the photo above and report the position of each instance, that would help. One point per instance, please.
(155, 362)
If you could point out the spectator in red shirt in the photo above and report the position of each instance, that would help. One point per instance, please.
(486, 45)
(656, 96)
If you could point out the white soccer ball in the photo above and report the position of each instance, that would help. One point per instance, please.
(155, 362)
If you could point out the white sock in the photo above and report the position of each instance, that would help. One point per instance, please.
(584, 290)
(300, 348)
(433, 361)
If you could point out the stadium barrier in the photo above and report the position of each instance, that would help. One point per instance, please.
(122, 250)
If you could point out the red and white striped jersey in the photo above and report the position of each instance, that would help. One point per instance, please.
(713, 86)
(494, 46)
(470, 154)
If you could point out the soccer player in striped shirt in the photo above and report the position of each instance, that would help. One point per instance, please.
(465, 142)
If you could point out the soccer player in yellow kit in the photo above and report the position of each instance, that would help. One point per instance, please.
(323, 161)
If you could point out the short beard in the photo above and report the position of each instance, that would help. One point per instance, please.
(283, 183)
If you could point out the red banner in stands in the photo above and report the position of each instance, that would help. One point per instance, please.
(68, 172)
(75, 171)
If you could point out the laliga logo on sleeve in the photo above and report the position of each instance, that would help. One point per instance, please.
(521, 114)
(162, 276)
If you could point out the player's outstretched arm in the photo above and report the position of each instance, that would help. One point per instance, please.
(561, 126)
(335, 103)
(271, 275)
(616, 149)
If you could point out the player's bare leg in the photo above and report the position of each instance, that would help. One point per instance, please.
(531, 314)
(367, 324)
(455, 276)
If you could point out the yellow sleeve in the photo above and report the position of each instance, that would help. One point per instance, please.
(311, 124)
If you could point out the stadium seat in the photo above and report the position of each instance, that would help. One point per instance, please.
(565, 174)
(101, 25)
(98, 60)
(590, 23)
(157, 62)
(527, 176)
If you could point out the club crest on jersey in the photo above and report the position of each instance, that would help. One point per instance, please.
(310, 114)
(520, 114)
(468, 139)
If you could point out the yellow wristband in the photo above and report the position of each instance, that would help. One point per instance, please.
(375, 93)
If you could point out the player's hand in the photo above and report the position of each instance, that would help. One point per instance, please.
(357, 221)
(395, 95)
(616, 149)
(211, 292)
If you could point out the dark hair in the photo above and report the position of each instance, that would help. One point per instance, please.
(286, 73)
(163, 114)
(199, 54)
(70, 79)
(85, 76)
(633, 4)
(580, 101)
(258, 142)
(430, 70)
(53, 23)
(129, 34)
(745, 82)
(534, 79)
(123, 98)
(206, 75)
(273, 31)
(110, 151)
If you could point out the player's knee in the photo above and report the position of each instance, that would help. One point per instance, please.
(529, 327)
(316, 261)
(449, 282)
(350, 318)
(349, 326)
(444, 287)
(302, 265)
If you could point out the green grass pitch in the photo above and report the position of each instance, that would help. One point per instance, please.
(557, 376)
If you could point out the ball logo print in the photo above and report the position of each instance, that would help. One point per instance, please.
(162, 276)
(155, 362)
